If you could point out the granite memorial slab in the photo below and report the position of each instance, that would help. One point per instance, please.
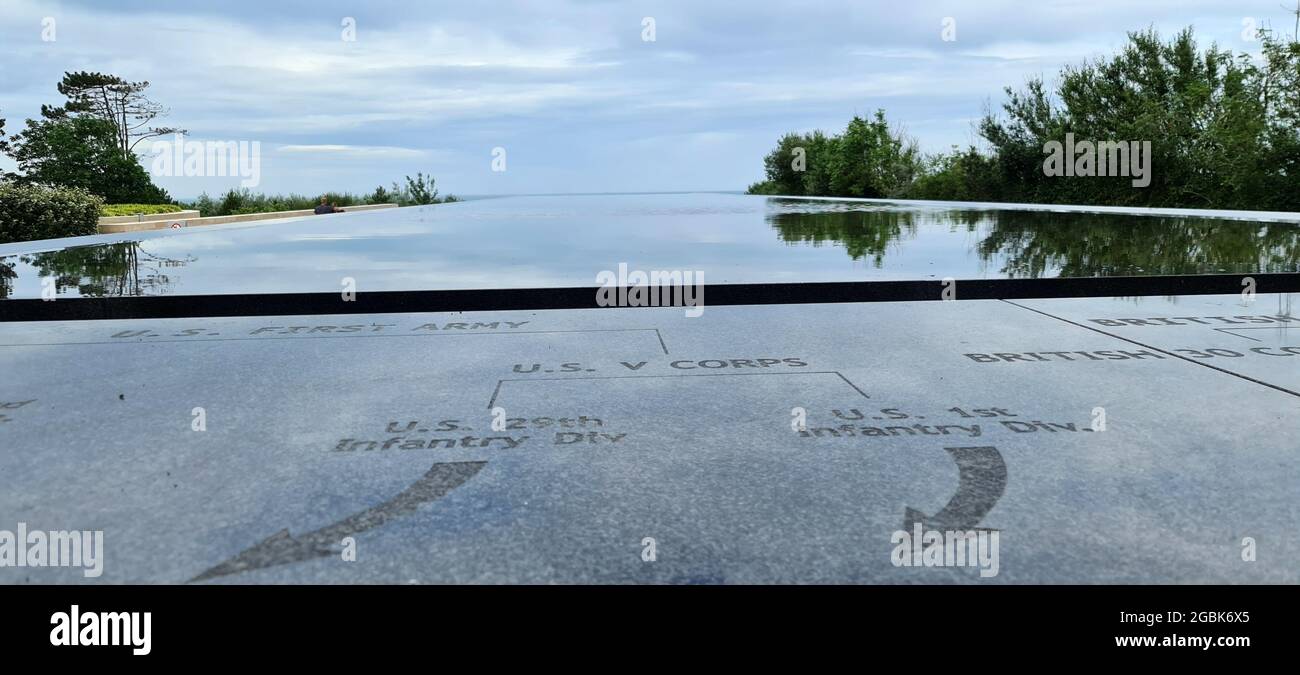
(1251, 336)
(748, 444)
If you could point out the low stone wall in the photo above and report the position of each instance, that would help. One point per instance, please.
(149, 218)
(178, 220)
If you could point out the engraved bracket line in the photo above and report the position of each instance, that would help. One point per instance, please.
(497, 391)
(1229, 331)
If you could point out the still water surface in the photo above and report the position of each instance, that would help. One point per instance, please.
(552, 241)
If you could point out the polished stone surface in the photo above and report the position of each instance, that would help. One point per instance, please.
(624, 424)
(561, 241)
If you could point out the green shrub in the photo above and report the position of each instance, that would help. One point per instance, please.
(29, 212)
(244, 201)
(110, 210)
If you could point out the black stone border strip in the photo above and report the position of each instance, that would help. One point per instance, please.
(508, 299)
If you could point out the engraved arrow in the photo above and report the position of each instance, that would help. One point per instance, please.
(981, 482)
(282, 548)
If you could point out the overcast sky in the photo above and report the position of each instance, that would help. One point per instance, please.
(569, 88)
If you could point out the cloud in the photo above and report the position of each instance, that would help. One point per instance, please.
(353, 150)
(568, 87)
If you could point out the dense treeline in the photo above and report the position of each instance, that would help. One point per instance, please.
(1224, 132)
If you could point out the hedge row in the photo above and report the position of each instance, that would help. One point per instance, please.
(30, 212)
(108, 210)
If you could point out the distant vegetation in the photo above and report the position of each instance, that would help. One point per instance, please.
(418, 191)
(1224, 131)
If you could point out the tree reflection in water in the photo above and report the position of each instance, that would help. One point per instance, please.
(1031, 244)
(102, 270)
